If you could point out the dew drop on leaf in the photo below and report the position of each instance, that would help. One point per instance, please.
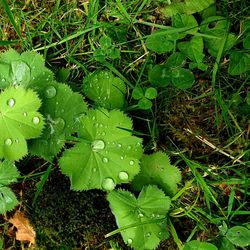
(108, 184)
(25, 114)
(123, 176)
(50, 92)
(98, 145)
(130, 241)
(8, 142)
(94, 169)
(105, 160)
(140, 215)
(103, 133)
(16, 141)
(148, 234)
(36, 120)
(131, 163)
(129, 147)
(119, 145)
(11, 102)
(122, 157)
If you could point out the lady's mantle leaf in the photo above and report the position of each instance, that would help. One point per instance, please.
(62, 109)
(8, 175)
(156, 169)
(26, 70)
(107, 154)
(151, 206)
(105, 89)
(19, 120)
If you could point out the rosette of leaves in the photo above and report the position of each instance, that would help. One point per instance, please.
(26, 70)
(105, 89)
(156, 169)
(106, 154)
(144, 97)
(106, 50)
(8, 175)
(19, 120)
(142, 221)
(172, 72)
(217, 27)
(61, 109)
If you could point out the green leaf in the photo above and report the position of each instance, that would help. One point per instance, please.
(26, 70)
(182, 78)
(151, 93)
(145, 104)
(156, 169)
(225, 244)
(239, 236)
(197, 245)
(187, 7)
(62, 109)
(160, 76)
(62, 74)
(151, 204)
(106, 154)
(193, 49)
(246, 42)
(8, 173)
(137, 93)
(185, 21)
(160, 41)
(239, 63)
(216, 26)
(176, 60)
(105, 89)
(105, 42)
(19, 120)
(7, 199)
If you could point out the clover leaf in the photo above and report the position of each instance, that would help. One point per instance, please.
(26, 70)
(216, 26)
(106, 154)
(156, 169)
(144, 97)
(161, 41)
(105, 89)
(19, 120)
(8, 175)
(239, 63)
(198, 245)
(172, 72)
(62, 109)
(144, 218)
(193, 49)
(239, 236)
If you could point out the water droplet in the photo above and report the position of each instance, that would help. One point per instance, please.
(96, 125)
(11, 102)
(93, 118)
(123, 176)
(16, 141)
(138, 144)
(97, 145)
(153, 215)
(119, 145)
(158, 216)
(160, 233)
(131, 163)
(8, 142)
(25, 114)
(130, 241)
(129, 147)
(122, 157)
(101, 125)
(140, 215)
(36, 120)
(108, 184)
(148, 234)
(94, 169)
(103, 133)
(105, 160)
(50, 92)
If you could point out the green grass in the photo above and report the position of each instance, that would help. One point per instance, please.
(215, 156)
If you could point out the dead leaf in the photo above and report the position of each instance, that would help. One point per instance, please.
(25, 231)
